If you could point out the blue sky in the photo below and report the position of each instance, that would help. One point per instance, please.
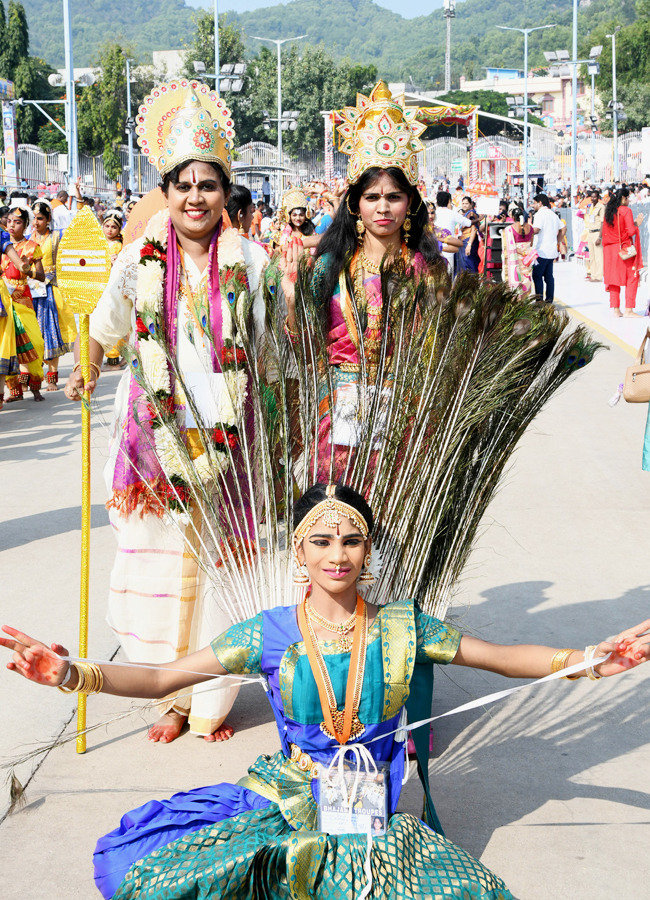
(413, 7)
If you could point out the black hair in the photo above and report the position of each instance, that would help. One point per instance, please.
(443, 198)
(469, 200)
(20, 211)
(613, 204)
(316, 494)
(4, 211)
(543, 199)
(307, 228)
(340, 240)
(42, 209)
(173, 177)
(238, 202)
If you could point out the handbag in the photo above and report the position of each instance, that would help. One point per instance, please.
(629, 252)
(636, 388)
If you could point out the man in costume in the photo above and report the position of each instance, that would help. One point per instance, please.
(169, 289)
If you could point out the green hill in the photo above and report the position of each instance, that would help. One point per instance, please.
(358, 29)
(145, 25)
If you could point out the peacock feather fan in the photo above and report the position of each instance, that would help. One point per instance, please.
(449, 379)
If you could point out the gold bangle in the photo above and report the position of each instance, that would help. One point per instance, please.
(560, 661)
(66, 690)
(91, 365)
(90, 679)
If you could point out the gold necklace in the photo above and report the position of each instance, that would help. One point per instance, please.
(338, 716)
(341, 629)
(370, 267)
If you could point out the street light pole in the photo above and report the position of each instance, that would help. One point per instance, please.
(525, 32)
(217, 67)
(450, 12)
(278, 43)
(130, 128)
(71, 104)
(574, 107)
(614, 101)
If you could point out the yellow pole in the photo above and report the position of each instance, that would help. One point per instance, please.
(84, 358)
(83, 267)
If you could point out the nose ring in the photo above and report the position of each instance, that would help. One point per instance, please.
(338, 570)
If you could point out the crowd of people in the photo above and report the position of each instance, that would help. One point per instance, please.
(254, 352)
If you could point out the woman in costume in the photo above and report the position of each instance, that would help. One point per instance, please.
(322, 661)
(240, 209)
(382, 220)
(112, 222)
(16, 280)
(15, 346)
(294, 223)
(172, 288)
(56, 321)
(621, 233)
(518, 255)
(468, 258)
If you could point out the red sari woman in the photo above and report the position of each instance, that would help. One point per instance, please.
(620, 233)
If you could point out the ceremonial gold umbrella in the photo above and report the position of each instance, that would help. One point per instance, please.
(83, 267)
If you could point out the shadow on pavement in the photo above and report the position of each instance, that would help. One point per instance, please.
(494, 766)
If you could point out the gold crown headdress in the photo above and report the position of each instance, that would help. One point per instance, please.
(294, 198)
(378, 132)
(185, 120)
(330, 511)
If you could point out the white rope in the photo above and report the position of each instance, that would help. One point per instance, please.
(242, 679)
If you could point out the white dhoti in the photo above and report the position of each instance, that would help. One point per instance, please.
(162, 606)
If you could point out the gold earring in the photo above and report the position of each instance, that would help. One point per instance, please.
(407, 224)
(361, 230)
(366, 576)
(301, 577)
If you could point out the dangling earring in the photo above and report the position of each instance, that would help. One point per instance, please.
(301, 577)
(361, 230)
(366, 576)
(407, 225)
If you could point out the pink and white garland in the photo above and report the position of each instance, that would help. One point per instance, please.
(235, 303)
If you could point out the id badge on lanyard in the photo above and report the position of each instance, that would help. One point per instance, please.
(354, 804)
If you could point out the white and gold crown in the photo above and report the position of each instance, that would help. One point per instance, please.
(185, 120)
(380, 132)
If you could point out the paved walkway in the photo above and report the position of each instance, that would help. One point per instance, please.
(550, 788)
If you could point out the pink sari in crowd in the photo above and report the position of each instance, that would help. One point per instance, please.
(518, 259)
(336, 435)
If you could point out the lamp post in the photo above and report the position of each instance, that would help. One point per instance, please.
(129, 126)
(614, 101)
(449, 13)
(593, 69)
(71, 102)
(278, 43)
(562, 64)
(525, 32)
(216, 43)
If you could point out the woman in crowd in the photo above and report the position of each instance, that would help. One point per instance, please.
(16, 279)
(112, 222)
(447, 243)
(622, 260)
(294, 223)
(228, 839)
(56, 321)
(240, 208)
(468, 258)
(518, 254)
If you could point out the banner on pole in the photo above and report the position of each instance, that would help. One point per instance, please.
(10, 135)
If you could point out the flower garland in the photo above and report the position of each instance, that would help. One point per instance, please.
(210, 461)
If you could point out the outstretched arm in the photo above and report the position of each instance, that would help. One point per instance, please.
(42, 665)
(534, 661)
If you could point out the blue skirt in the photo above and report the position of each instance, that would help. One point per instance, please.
(160, 822)
(48, 321)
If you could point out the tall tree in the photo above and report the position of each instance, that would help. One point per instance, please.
(101, 110)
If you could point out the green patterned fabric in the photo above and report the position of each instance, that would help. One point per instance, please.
(256, 855)
(239, 649)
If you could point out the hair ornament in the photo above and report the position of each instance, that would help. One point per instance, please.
(331, 511)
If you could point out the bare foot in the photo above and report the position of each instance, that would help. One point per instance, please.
(630, 314)
(37, 395)
(167, 728)
(222, 733)
(11, 399)
(51, 386)
(617, 313)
